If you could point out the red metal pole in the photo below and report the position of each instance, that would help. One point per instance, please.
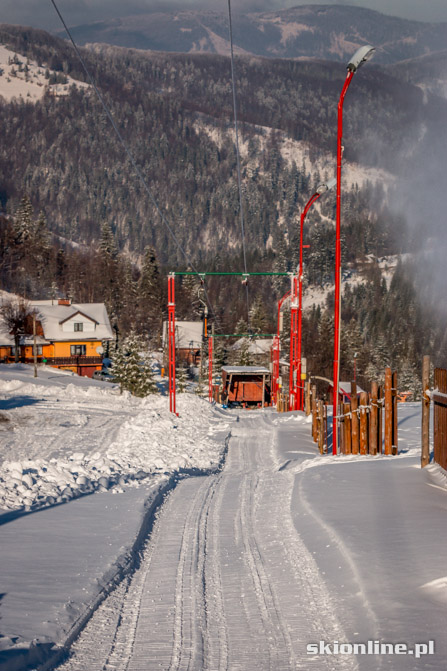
(298, 395)
(277, 351)
(210, 369)
(293, 362)
(171, 340)
(275, 372)
(337, 312)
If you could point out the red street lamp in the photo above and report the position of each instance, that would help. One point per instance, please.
(360, 57)
(298, 402)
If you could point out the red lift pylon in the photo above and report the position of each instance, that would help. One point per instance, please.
(171, 340)
(276, 349)
(293, 372)
(210, 368)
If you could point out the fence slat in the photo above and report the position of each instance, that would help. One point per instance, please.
(373, 419)
(354, 420)
(388, 412)
(363, 422)
(394, 406)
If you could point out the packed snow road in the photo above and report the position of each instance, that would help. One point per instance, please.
(225, 582)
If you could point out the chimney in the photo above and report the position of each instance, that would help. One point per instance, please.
(64, 301)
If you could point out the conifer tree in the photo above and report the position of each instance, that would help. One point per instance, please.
(258, 316)
(132, 369)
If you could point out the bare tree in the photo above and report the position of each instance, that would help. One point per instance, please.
(16, 314)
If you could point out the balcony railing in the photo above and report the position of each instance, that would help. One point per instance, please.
(67, 360)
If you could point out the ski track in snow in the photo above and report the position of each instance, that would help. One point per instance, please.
(225, 582)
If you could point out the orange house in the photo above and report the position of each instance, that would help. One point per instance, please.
(69, 336)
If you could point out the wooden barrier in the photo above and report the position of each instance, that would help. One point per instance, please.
(439, 396)
(347, 440)
(354, 420)
(388, 412)
(373, 418)
(394, 413)
(361, 423)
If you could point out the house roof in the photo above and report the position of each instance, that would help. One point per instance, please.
(187, 334)
(256, 346)
(77, 313)
(52, 316)
(246, 370)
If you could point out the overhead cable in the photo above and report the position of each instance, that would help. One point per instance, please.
(238, 161)
(130, 155)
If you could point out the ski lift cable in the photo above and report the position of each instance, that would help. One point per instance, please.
(238, 161)
(130, 156)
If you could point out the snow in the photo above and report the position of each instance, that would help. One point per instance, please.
(30, 86)
(54, 316)
(64, 436)
(244, 565)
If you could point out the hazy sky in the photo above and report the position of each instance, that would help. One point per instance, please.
(40, 13)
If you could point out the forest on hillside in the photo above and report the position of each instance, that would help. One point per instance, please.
(78, 222)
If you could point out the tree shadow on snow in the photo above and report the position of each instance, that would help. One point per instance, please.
(18, 402)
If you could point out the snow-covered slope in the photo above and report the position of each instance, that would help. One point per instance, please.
(22, 78)
(62, 436)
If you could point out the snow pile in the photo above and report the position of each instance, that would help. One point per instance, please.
(120, 440)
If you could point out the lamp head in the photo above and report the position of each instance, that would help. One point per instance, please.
(361, 56)
(327, 186)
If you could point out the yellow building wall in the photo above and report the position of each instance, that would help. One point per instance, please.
(64, 348)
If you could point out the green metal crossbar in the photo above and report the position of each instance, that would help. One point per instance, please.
(191, 272)
(244, 335)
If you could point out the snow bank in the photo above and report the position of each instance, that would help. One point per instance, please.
(120, 440)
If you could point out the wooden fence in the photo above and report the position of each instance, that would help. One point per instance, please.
(368, 423)
(439, 397)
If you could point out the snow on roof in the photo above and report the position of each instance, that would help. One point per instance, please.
(256, 346)
(246, 370)
(53, 315)
(187, 334)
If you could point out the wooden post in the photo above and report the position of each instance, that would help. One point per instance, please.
(380, 410)
(363, 421)
(314, 412)
(395, 422)
(373, 416)
(425, 454)
(388, 412)
(320, 424)
(308, 396)
(347, 447)
(354, 419)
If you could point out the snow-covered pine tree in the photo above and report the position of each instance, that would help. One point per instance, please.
(258, 316)
(23, 223)
(132, 368)
(181, 377)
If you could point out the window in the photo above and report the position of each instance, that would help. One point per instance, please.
(38, 350)
(78, 326)
(77, 350)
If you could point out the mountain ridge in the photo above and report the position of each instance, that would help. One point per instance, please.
(306, 31)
